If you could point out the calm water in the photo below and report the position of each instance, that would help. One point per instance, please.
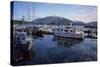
(50, 49)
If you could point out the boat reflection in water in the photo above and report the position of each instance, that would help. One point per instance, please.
(66, 42)
(50, 49)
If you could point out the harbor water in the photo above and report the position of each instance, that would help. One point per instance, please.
(50, 49)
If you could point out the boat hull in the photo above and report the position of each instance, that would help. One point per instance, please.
(69, 36)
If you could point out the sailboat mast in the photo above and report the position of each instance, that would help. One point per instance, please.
(28, 13)
(33, 13)
(23, 20)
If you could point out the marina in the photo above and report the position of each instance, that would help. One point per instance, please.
(47, 48)
(48, 33)
(83, 31)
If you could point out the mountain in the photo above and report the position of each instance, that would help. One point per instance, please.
(92, 24)
(79, 23)
(56, 20)
(52, 20)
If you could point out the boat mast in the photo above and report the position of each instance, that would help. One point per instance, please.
(28, 14)
(33, 13)
(23, 20)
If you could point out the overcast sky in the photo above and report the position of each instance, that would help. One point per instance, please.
(38, 10)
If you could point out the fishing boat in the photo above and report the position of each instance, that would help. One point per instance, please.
(24, 40)
(69, 32)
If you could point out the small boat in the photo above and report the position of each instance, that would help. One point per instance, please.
(69, 32)
(24, 40)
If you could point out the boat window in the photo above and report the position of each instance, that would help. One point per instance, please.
(23, 38)
(71, 31)
(66, 30)
(61, 29)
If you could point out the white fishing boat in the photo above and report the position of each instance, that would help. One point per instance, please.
(24, 39)
(69, 32)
